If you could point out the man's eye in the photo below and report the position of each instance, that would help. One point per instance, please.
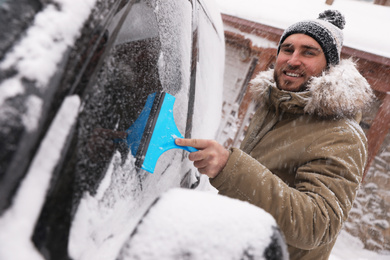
(309, 53)
(287, 50)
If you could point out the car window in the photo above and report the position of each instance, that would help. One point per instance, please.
(151, 53)
(145, 48)
(62, 130)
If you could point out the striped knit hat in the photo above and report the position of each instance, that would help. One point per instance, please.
(326, 30)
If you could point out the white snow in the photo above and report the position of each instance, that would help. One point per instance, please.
(38, 53)
(54, 29)
(366, 28)
(208, 99)
(17, 224)
(31, 118)
(256, 41)
(349, 247)
(10, 88)
(182, 222)
(37, 56)
(103, 222)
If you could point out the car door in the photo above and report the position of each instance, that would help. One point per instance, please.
(91, 194)
(150, 52)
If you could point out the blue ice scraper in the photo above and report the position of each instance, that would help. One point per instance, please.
(154, 132)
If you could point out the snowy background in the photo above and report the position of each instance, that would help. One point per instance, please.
(365, 29)
(47, 40)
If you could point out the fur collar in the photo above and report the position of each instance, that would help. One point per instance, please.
(341, 91)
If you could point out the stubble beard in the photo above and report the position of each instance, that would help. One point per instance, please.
(302, 87)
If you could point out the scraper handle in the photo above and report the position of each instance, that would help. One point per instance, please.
(190, 149)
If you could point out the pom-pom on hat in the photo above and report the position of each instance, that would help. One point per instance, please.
(326, 30)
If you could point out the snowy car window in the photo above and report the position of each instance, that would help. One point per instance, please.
(112, 104)
(147, 57)
(66, 106)
(130, 56)
(152, 52)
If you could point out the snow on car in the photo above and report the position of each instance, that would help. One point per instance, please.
(73, 79)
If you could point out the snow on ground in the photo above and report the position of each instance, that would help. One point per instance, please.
(349, 247)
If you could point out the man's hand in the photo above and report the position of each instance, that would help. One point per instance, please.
(211, 157)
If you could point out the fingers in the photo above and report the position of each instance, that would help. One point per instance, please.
(196, 143)
(201, 164)
(211, 157)
(213, 164)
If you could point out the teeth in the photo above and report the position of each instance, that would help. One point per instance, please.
(292, 74)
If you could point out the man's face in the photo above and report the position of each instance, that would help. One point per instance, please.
(299, 59)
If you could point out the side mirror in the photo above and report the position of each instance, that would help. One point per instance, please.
(189, 224)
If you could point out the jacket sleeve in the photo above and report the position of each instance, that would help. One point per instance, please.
(311, 212)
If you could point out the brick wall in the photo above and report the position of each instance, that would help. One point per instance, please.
(382, 2)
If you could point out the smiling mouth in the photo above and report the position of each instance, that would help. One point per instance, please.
(292, 74)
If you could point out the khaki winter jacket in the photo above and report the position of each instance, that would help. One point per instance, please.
(303, 157)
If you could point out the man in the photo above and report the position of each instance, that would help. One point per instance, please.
(303, 157)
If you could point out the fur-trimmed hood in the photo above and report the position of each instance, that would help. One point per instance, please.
(341, 91)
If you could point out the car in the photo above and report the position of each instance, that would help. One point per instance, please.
(190, 224)
(74, 76)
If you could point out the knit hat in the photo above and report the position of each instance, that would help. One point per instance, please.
(326, 30)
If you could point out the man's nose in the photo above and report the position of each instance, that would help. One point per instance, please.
(294, 60)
